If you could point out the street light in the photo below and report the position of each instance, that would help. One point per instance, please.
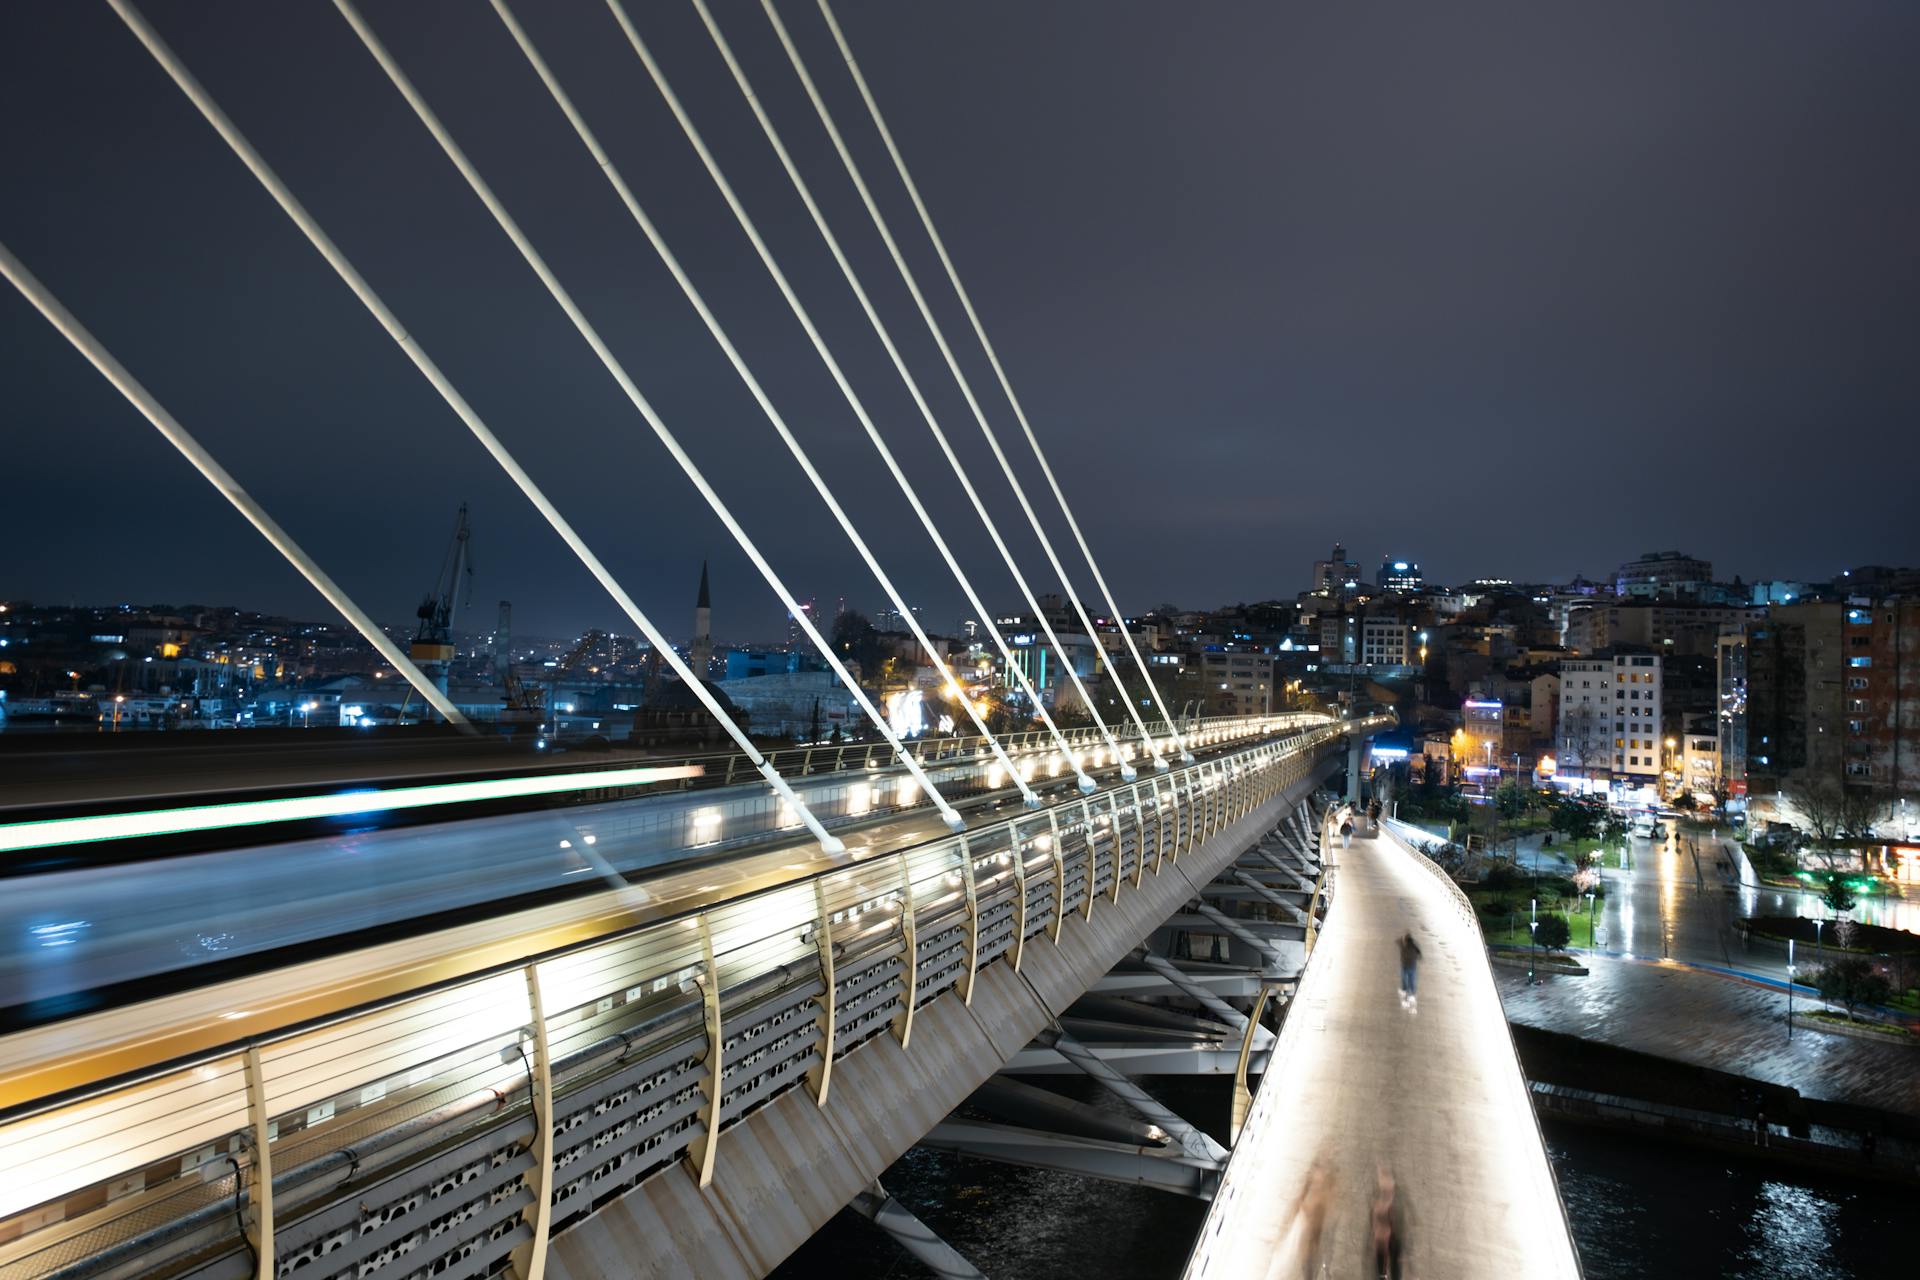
(1533, 935)
(1817, 926)
(1590, 938)
(1789, 990)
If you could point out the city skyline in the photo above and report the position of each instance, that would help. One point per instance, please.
(1542, 377)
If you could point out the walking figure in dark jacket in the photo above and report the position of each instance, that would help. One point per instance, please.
(1409, 966)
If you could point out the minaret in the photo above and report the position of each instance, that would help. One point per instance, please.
(700, 657)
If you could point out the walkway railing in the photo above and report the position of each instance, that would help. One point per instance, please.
(805, 761)
(462, 1123)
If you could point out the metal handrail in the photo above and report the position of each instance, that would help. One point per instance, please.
(680, 1026)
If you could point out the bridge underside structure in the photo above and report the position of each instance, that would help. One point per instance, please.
(695, 1096)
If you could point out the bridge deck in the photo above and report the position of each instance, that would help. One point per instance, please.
(1435, 1095)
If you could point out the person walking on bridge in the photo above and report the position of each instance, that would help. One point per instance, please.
(1310, 1221)
(1409, 970)
(1388, 1227)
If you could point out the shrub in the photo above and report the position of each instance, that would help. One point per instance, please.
(1554, 932)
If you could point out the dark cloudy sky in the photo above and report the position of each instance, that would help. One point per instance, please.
(1520, 288)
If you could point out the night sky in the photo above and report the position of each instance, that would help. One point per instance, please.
(1519, 289)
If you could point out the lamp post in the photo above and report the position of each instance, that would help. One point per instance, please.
(1818, 956)
(1591, 942)
(1533, 935)
(1789, 990)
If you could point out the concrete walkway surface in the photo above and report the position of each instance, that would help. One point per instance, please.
(1357, 1082)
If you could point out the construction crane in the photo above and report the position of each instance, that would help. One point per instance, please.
(520, 704)
(433, 646)
(586, 645)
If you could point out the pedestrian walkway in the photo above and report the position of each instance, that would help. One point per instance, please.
(1713, 1020)
(1357, 1082)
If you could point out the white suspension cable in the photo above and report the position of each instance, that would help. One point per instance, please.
(667, 256)
(966, 301)
(297, 212)
(191, 449)
(873, 434)
(614, 367)
(966, 389)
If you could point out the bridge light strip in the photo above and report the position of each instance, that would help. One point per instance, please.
(343, 804)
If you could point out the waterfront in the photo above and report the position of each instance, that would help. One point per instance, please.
(1639, 1210)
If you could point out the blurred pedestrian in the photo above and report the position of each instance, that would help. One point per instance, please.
(1387, 1233)
(1310, 1216)
(1409, 971)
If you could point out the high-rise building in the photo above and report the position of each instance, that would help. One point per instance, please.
(1883, 697)
(1797, 684)
(1399, 575)
(1336, 576)
(796, 635)
(1731, 670)
(1609, 727)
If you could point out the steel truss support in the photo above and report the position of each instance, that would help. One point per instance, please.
(1268, 895)
(1187, 987)
(1168, 1170)
(1238, 929)
(1192, 1141)
(877, 1204)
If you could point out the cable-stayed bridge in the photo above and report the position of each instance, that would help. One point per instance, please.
(667, 1016)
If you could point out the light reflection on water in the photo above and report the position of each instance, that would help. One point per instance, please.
(1791, 1233)
(1642, 1209)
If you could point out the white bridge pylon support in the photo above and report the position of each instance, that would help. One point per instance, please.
(1434, 1095)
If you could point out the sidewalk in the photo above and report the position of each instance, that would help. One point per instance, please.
(1701, 1017)
(1357, 1081)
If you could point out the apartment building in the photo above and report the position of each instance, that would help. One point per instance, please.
(1609, 721)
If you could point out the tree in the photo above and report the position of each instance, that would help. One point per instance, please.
(1833, 811)
(1836, 894)
(1576, 819)
(1513, 798)
(1585, 736)
(1851, 981)
(1553, 932)
(854, 638)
